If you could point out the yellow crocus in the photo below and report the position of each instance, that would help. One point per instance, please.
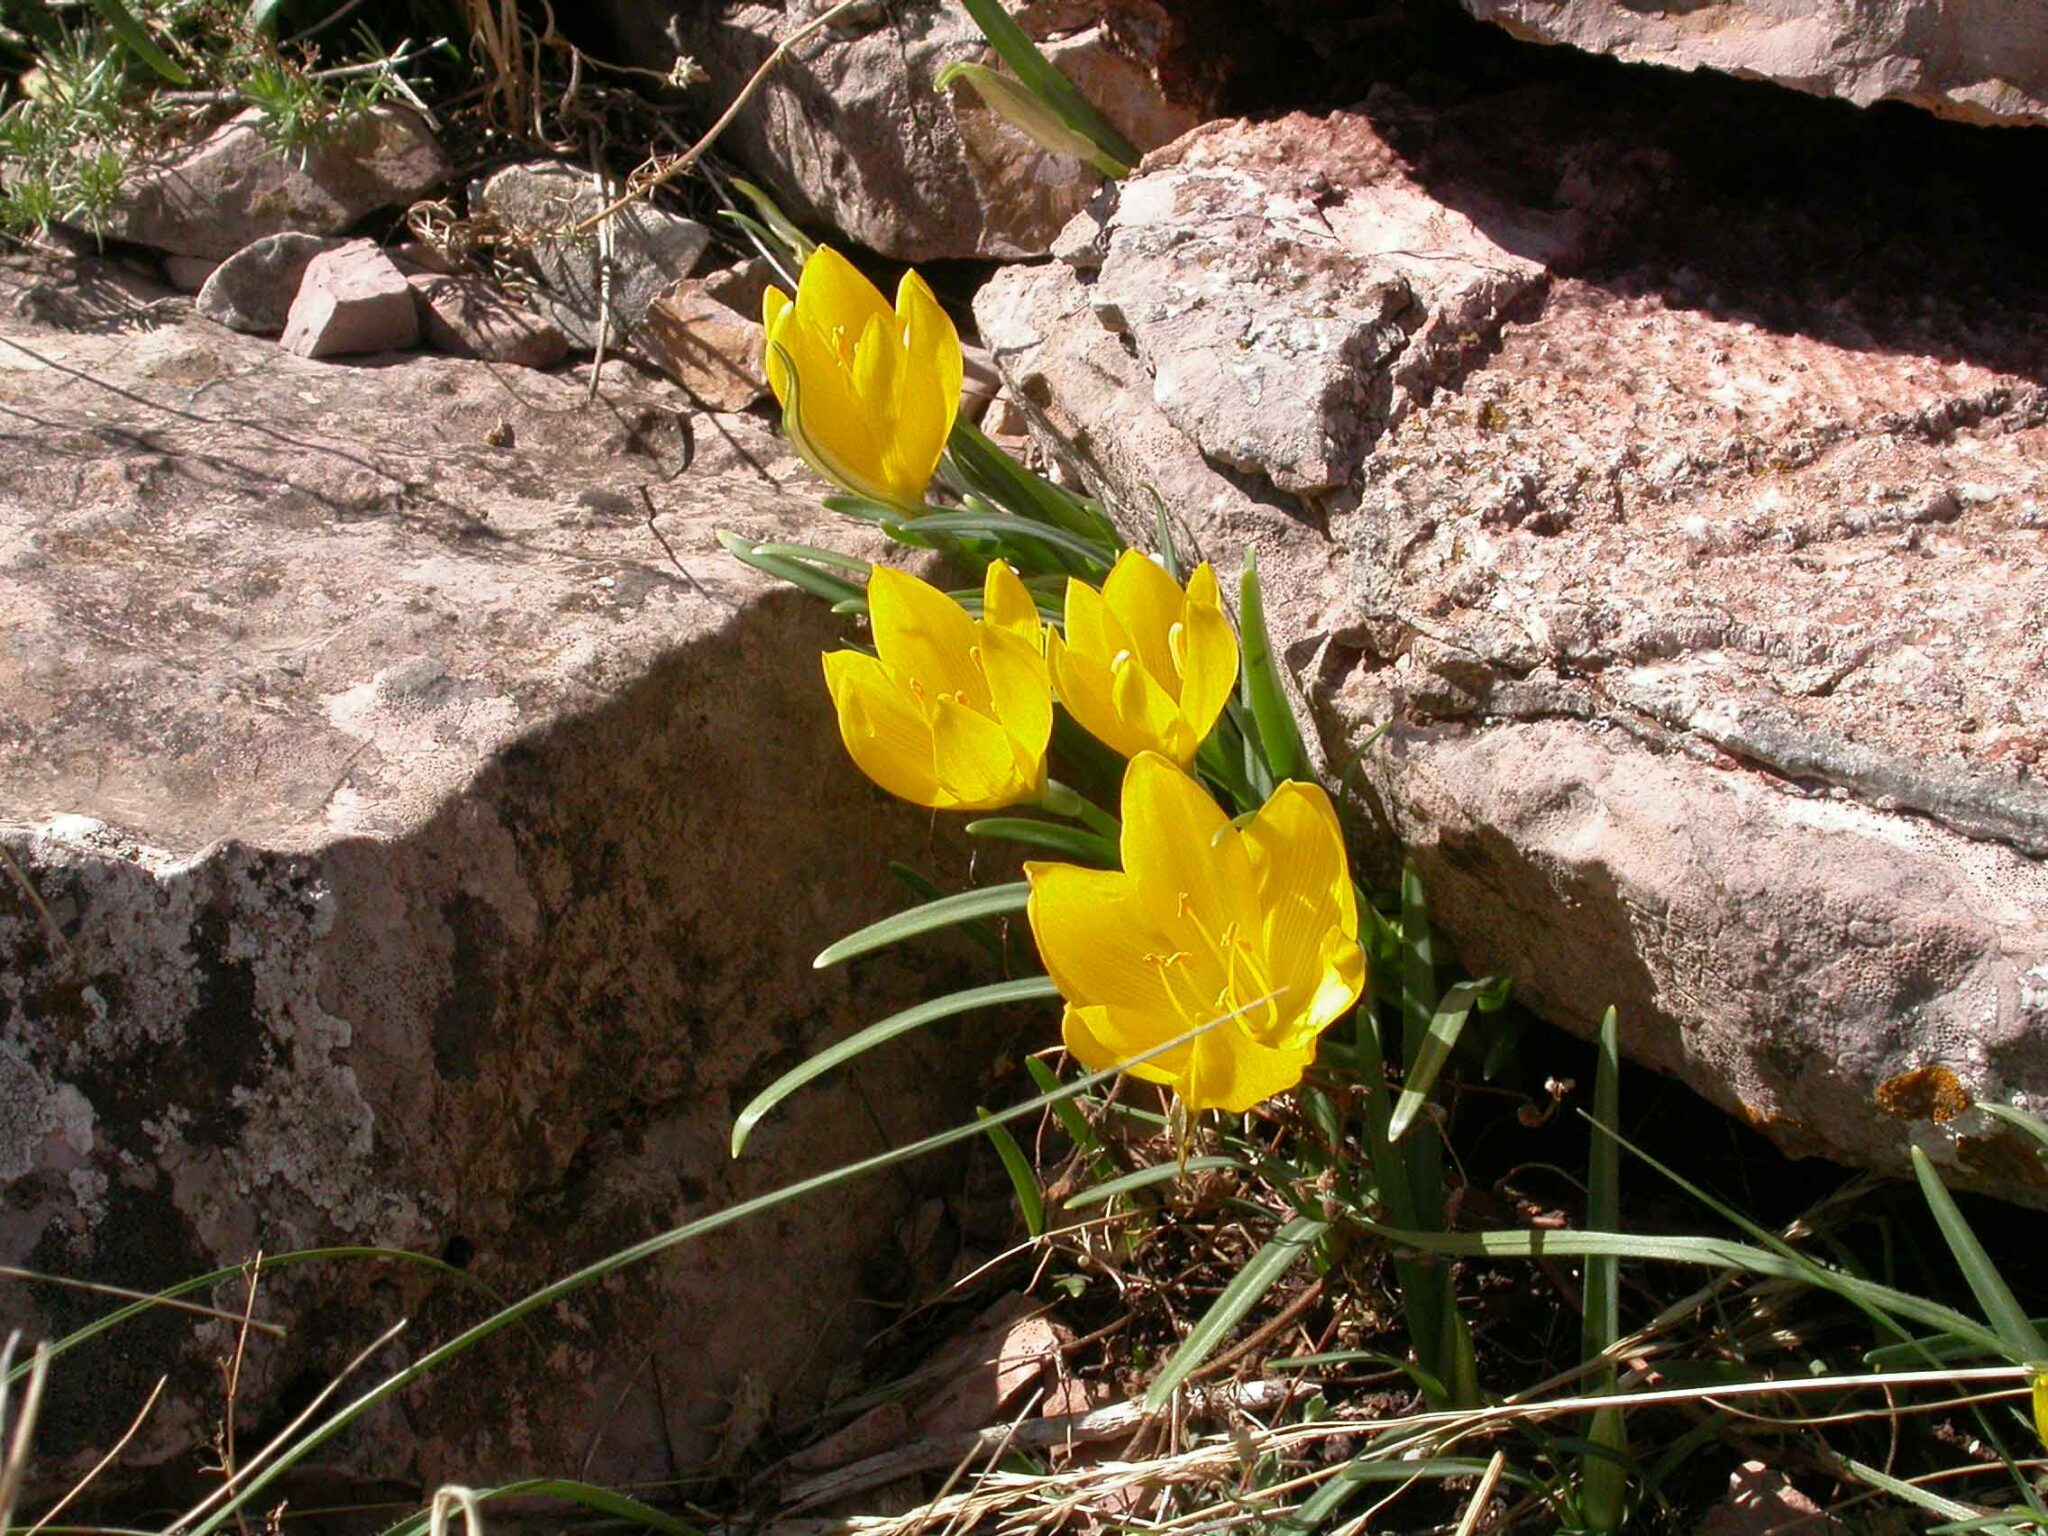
(1146, 666)
(2041, 1407)
(952, 711)
(868, 394)
(1205, 920)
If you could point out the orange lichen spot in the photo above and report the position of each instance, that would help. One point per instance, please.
(1925, 1093)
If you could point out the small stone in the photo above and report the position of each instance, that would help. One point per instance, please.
(351, 300)
(704, 346)
(253, 289)
(234, 186)
(418, 256)
(468, 317)
(188, 274)
(743, 287)
(542, 206)
(1004, 419)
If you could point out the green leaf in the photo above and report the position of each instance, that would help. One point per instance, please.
(794, 241)
(1291, 1244)
(947, 911)
(1279, 734)
(1071, 841)
(1003, 528)
(833, 589)
(2008, 1320)
(260, 20)
(811, 554)
(1604, 1468)
(1031, 116)
(1920, 1498)
(1030, 1200)
(1442, 1038)
(1002, 480)
(2032, 1125)
(1068, 1113)
(1028, 989)
(134, 36)
(1015, 48)
(1144, 1178)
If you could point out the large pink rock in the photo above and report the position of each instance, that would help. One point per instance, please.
(1690, 557)
(351, 299)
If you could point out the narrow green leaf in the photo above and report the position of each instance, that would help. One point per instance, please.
(2008, 1320)
(1264, 693)
(794, 241)
(134, 36)
(1030, 1200)
(1144, 1178)
(1604, 1468)
(1919, 1498)
(813, 555)
(1066, 1111)
(1287, 1247)
(1445, 1026)
(1001, 479)
(1029, 989)
(260, 19)
(988, 901)
(1030, 115)
(1071, 841)
(833, 589)
(1015, 48)
(1713, 1252)
(2033, 1125)
(1004, 529)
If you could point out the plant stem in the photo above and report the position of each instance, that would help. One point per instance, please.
(1062, 801)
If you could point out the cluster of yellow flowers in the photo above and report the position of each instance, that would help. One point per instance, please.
(1238, 942)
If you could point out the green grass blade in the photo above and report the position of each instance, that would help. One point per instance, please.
(1287, 1247)
(1604, 1468)
(1712, 1252)
(604, 1500)
(1029, 989)
(795, 243)
(2008, 1320)
(1075, 843)
(1445, 1025)
(135, 37)
(1069, 1115)
(1265, 695)
(253, 1489)
(1038, 74)
(833, 589)
(1002, 480)
(1005, 529)
(946, 912)
(1030, 1199)
(1144, 1178)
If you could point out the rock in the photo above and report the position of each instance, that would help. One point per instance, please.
(188, 274)
(1762, 1501)
(253, 289)
(351, 299)
(1696, 574)
(470, 317)
(232, 187)
(540, 206)
(1979, 61)
(428, 844)
(714, 353)
(849, 134)
(742, 287)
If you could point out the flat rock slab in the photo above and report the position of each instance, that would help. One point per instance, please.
(470, 317)
(1979, 61)
(713, 352)
(418, 839)
(1698, 584)
(213, 197)
(583, 282)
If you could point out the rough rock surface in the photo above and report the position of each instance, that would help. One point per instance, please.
(849, 134)
(1980, 61)
(253, 289)
(1700, 577)
(214, 197)
(351, 299)
(651, 248)
(713, 352)
(395, 855)
(470, 317)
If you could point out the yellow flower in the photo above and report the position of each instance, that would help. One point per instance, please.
(1204, 919)
(952, 712)
(2041, 1407)
(868, 395)
(1146, 666)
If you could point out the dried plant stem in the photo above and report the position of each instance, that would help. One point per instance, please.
(105, 1461)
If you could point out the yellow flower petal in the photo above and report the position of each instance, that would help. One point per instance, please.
(774, 305)
(935, 371)
(1104, 1037)
(1020, 696)
(885, 735)
(832, 291)
(924, 635)
(1231, 1072)
(974, 761)
(1187, 860)
(1146, 717)
(1094, 935)
(1147, 602)
(2041, 1408)
(1006, 604)
(1208, 659)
